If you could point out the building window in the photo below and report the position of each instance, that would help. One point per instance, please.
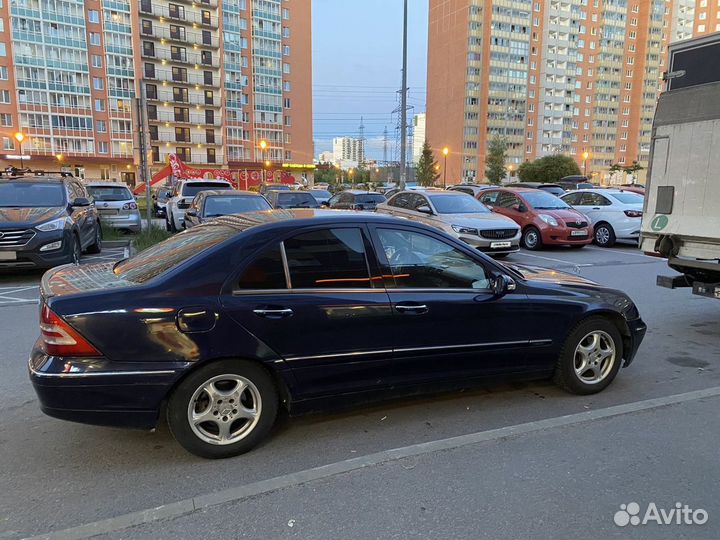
(210, 136)
(8, 143)
(206, 19)
(3, 51)
(149, 71)
(152, 112)
(286, 68)
(151, 91)
(287, 86)
(94, 38)
(179, 74)
(147, 27)
(177, 32)
(176, 12)
(208, 77)
(98, 83)
(154, 135)
(211, 155)
(182, 134)
(209, 97)
(93, 16)
(6, 120)
(288, 121)
(209, 117)
(96, 61)
(184, 153)
(286, 32)
(286, 103)
(101, 126)
(180, 95)
(155, 150)
(148, 48)
(99, 105)
(206, 57)
(181, 114)
(103, 147)
(3, 73)
(178, 53)
(206, 37)
(286, 50)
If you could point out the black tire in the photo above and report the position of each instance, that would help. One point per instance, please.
(532, 239)
(171, 220)
(76, 252)
(499, 255)
(178, 409)
(566, 375)
(604, 235)
(577, 246)
(167, 224)
(96, 246)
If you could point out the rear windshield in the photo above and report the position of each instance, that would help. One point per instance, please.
(321, 194)
(628, 198)
(223, 206)
(370, 198)
(294, 198)
(31, 195)
(172, 252)
(190, 190)
(110, 193)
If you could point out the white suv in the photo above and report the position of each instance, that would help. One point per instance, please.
(183, 195)
(615, 214)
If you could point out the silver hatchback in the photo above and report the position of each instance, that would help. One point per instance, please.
(115, 205)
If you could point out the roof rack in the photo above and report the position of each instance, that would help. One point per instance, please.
(14, 172)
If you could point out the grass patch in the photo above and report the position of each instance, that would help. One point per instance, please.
(150, 237)
(111, 233)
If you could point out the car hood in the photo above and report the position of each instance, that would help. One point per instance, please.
(564, 214)
(537, 273)
(478, 221)
(27, 217)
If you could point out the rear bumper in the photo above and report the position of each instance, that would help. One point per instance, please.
(130, 395)
(637, 328)
(129, 221)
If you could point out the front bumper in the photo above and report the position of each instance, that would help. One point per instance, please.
(631, 343)
(562, 236)
(30, 256)
(498, 246)
(100, 392)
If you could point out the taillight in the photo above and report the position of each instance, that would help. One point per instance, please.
(60, 339)
(130, 206)
(633, 213)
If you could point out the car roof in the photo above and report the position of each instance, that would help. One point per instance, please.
(602, 190)
(228, 192)
(198, 180)
(514, 189)
(361, 192)
(33, 178)
(106, 184)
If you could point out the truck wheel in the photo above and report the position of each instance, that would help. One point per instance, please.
(223, 409)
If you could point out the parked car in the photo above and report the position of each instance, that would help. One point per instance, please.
(291, 199)
(634, 188)
(459, 215)
(227, 322)
(555, 189)
(614, 214)
(470, 189)
(160, 202)
(46, 221)
(116, 205)
(544, 218)
(389, 193)
(264, 188)
(183, 195)
(355, 200)
(321, 195)
(212, 204)
(572, 182)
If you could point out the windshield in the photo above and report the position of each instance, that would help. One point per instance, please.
(172, 252)
(454, 204)
(321, 194)
(628, 198)
(542, 200)
(223, 206)
(31, 195)
(110, 193)
(370, 198)
(190, 190)
(297, 200)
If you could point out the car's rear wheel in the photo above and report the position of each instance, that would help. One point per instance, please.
(604, 235)
(76, 252)
(590, 358)
(223, 409)
(531, 239)
(96, 246)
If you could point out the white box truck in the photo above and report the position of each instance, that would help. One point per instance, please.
(681, 219)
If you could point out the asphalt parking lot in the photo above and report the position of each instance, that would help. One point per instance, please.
(521, 460)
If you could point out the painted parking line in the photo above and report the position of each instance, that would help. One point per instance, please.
(239, 493)
(19, 295)
(623, 252)
(570, 264)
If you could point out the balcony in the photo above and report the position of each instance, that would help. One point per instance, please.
(183, 16)
(193, 99)
(194, 77)
(171, 119)
(189, 37)
(189, 58)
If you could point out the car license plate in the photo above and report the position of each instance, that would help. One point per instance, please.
(494, 245)
(8, 256)
(581, 232)
(108, 211)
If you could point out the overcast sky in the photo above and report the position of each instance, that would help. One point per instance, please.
(357, 65)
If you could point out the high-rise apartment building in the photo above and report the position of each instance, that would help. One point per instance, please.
(418, 136)
(349, 149)
(548, 76)
(218, 76)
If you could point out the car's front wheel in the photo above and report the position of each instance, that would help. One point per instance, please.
(532, 239)
(223, 409)
(590, 358)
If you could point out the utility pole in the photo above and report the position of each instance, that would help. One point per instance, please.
(142, 143)
(403, 103)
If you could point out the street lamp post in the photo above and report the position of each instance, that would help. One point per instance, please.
(20, 137)
(445, 152)
(585, 156)
(263, 147)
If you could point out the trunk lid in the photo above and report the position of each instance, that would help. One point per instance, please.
(74, 279)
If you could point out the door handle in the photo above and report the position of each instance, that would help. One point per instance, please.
(596, 208)
(411, 308)
(273, 313)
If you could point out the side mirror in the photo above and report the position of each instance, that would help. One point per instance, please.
(520, 208)
(502, 284)
(424, 209)
(80, 201)
(325, 204)
(191, 212)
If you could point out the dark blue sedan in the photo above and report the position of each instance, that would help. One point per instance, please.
(229, 321)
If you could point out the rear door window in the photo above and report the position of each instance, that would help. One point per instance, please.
(328, 258)
(265, 272)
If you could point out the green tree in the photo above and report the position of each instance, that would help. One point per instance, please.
(548, 169)
(330, 175)
(495, 160)
(427, 169)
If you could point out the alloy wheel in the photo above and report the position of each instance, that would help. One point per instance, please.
(595, 356)
(602, 235)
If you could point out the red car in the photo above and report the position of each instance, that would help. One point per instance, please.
(544, 218)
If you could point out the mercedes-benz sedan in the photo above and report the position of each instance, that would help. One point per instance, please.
(226, 323)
